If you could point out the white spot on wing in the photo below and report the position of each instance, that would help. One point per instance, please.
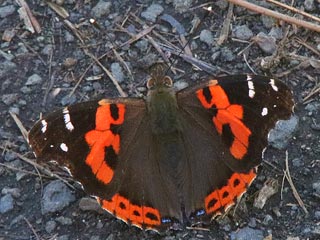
(273, 85)
(64, 147)
(250, 86)
(44, 126)
(67, 119)
(264, 111)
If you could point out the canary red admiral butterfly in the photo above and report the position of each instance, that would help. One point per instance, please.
(171, 158)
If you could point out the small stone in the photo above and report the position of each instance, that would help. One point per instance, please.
(222, 4)
(7, 11)
(47, 50)
(9, 156)
(242, 32)
(33, 80)
(102, 8)
(142, 45)
(56, 196)
(227, 55)
(6, 67)
(268, 219)
(90, 204)
(14, 192)
(206, 36)
(117, 72)
(267, 21)
(152, 12)
(68, 37)
(316, 187)
(50, 226)
(276, 32)
(247, 233)
(67, 100)
(63, 237)
(64, 220)
(317, 215)
(94, 238)
(309, 5)
(266, 42)
(9, 99)
(279, 136)
(182, 6)
(179, 85)
(6, 203)
(297, 162)
(252, 223)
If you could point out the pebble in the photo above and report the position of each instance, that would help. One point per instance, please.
(9, 98)
(64, 220)
(152, 12)
(102, 8)
(247, 233)
(222, 4)
(266, 42)
(182, 6)
(14, 192)
(50, 226)
(206, 36)
(7, 11)
(242, 32)
(56, 196)
(34, 79)
(267, 21)
(279, 136)
(117, 72)
(6, 67)
(47, 50)
(297, 162)
(67, 100)
(68, 37)
(63, 237)
(6, 203)
(316, 187)
(276, 32)
(317, 215)
(179, 85)
(309, 5)
(9, 156)
(142, 45)
(268, 219)
(227, 55)
(90, 204)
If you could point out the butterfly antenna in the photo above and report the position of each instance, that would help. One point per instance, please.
(208, 11)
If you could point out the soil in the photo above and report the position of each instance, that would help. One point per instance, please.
(58, 58)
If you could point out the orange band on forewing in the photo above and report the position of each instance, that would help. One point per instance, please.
(102, 137)
(227, 114)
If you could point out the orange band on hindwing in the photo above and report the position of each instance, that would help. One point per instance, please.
(103, 143)
(227, 115)
(226, 195)
(140, 216)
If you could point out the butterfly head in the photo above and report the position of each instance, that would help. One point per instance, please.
(158, 81)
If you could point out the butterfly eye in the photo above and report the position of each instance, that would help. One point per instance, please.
(151, 83)
(167, 81)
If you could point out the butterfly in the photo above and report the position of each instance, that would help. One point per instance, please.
(172, 158)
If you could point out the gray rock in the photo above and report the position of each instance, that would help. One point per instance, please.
(242, 32)
(66, 100)
(182, 6)
(6, 67)
(206, 36)
(222, 4)
(102, 8)
(6, 11)
(179, 85)
(268, 219)
(276, 32)
(9, 99)
(316, 187)
(266, 42)
(267, 21)
(68, 37)
(14, 192)
(142, 45)
(63, 237)
(47, 50)
(227, 55)
(117, 72)
(6, 203)
(50, 226)
(317, 215)
(8, 157)
(247, 233)
(64, 220)
(282, 133)
(56, 196)
(34, 79)
(309, 5)
(90, 204)
(152, 12)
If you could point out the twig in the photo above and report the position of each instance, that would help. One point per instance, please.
(226, 25)
(32, 229)
(33, 20)
(294, 190)
(32, 50)
(22, 129)
(294, 10)
(314, 91)
(246, 61)
(270, 13)
(120, 59)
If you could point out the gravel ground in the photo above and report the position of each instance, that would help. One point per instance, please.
(39, 72)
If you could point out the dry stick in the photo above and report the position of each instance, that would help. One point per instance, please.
(33, 20)
(314, 91)
(21, 170)
(270, 13)
(226, 25)
(294, 10)
(121, 60)
(294, 190)
(32, 50)
(158, 48)
(32, 229)
(312, 49)
(20, 126)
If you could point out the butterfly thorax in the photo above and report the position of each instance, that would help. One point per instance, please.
(163, 108)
